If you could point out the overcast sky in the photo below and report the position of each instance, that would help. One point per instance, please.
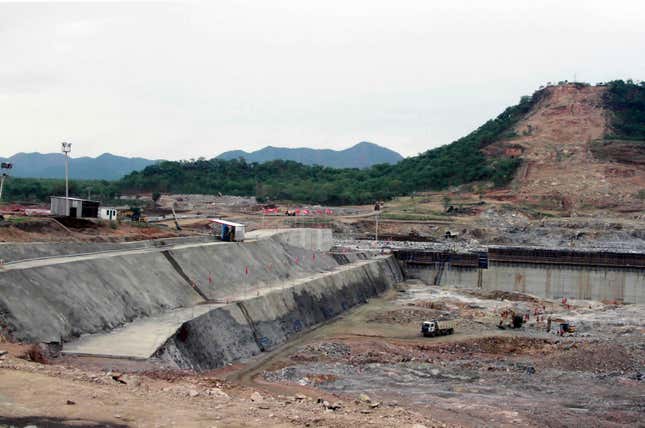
(180, 81)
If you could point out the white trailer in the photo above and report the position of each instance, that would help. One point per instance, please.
(228, 230)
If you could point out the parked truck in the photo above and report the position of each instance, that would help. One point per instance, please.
(437, 328)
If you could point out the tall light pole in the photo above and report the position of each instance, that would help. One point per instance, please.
(377, 212)
(376, 235)
(4, 165)
(66, 148)
(4, 175)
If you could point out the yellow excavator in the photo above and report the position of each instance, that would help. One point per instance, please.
(134, 214)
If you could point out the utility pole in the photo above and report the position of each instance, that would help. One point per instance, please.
(66, 148)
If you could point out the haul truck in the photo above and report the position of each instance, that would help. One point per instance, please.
(437, 328)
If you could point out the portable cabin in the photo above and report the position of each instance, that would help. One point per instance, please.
(74, 207)
(108, 213)
(228, 230)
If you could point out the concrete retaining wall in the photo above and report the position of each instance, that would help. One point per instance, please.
(590, 283)
(240, 330)
(248, 266)
(551, 281)
(15, 251)
(47, 303)
(64, 300)
(310, 239)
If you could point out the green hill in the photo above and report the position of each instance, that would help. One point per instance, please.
(453, 164)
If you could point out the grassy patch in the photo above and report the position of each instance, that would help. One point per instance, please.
(18, 219)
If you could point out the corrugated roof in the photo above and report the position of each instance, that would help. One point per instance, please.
(74, 199)
(226, 222)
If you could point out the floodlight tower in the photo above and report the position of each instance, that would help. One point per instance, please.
(66, 148)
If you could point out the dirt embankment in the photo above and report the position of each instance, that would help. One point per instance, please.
(46, 229)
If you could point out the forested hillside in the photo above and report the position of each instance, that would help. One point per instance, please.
(488, 154)
(627, 102)
(453, 164)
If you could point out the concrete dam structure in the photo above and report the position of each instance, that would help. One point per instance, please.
(248, 327)
(191, 304)
(587, 275)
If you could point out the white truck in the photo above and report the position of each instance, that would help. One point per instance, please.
(437, 328)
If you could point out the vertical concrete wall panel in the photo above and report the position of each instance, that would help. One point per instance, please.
(552, 281)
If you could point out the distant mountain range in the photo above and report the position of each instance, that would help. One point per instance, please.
(112, 167)
(52, 165)
(362, 155)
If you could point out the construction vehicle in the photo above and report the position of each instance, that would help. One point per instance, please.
(515, 320)
(134, 214)
(566, 327)
(437, 328)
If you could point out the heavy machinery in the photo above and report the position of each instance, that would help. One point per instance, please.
(437, 328)
(515, 320)
(134, 214)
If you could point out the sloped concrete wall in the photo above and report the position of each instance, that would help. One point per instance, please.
(243, 329)
(15, 251)
(310, 239)
(219, 336)
(221, 271)
(45, 304)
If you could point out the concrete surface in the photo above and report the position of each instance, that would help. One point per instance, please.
(141, 338)
(137, 340)
(309, 239)
(62, 297)
(222, 272)
(16, 251)
(551, 281)
(64, 300)
(70, 258)
(248, 327)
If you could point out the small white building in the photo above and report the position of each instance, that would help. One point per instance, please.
(108, 213)
(74, 207)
